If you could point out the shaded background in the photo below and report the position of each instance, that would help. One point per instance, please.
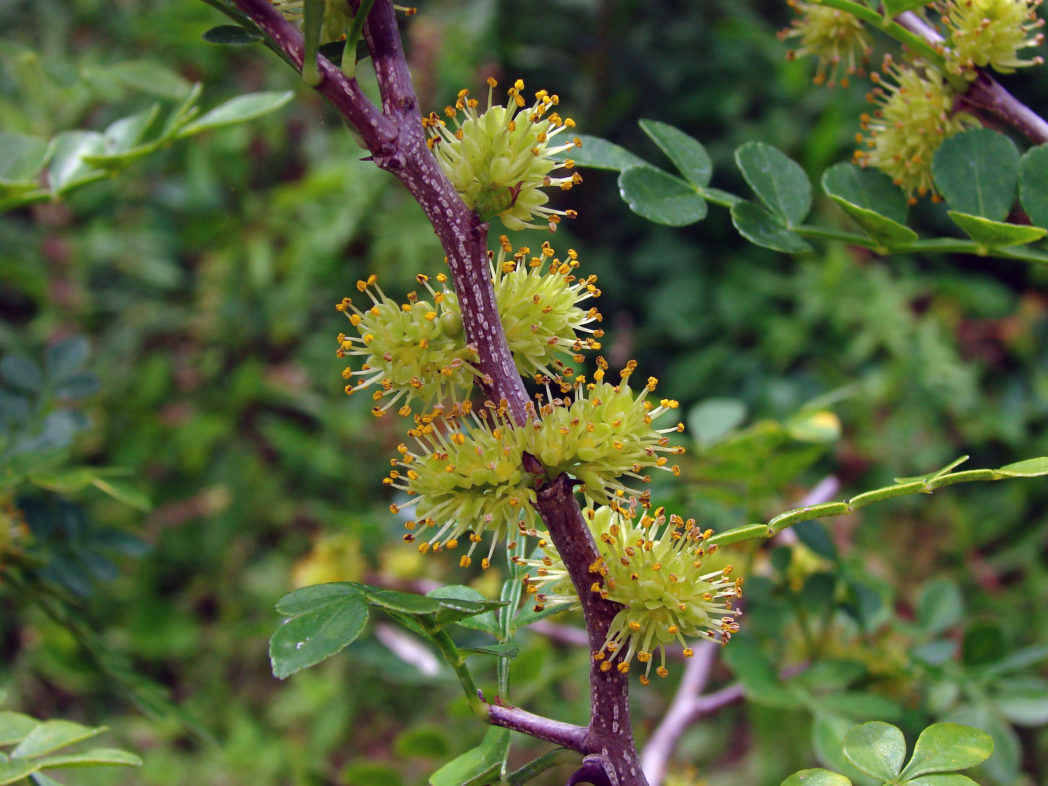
(205, 279)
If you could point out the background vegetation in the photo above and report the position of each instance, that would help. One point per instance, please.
(204, 280)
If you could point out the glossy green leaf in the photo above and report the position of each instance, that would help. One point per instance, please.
(660, 197)
(237, 110)
(475, 765)
(125, 492)
(711, 420)
(123, 134)
(765, 229)
(940, 606)
(597, 153)
(230, 35)
(816, 777)
(484, 621)
(324, 625)
(1033, 184)
(977, 172)
(21, 157)
(403, 602)
(868, 189)
(881, 230)
(876, 748)
(996, 234)
(96, 757)
(67, 168)
(943, 747)
(14, 726)
(1028, 468)
(21, 372)
(1004, 764)
(777, 180)
(686, 153)
(52, 735)
(148, 76)
(309, 598)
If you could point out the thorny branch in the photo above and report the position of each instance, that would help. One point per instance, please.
(394, 136)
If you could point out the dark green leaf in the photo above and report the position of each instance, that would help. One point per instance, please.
(940, 605)
(52, 735)
(310, 598)
(230, 35)
(881, 230)
(876, 748)
(21, 372)
(983, 643)
(484, 621)
(816, 777)
(477, 764)
(995, 234)
(943, 747)
(237, 110)
(777, 180)
(661, 197)
(977, 172)
(319, 631)
(403, 602)
(597, 153)
(868, 189)
(817, 538)
(21, 157)
(686, 153)
(147, 76)
(1033, 184)
(765, 229)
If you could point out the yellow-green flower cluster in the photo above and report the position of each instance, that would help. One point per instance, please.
(466, 477)
(835, 37)
(500, 160)
(410, 350)
(914, 114)
(990, 33)
(653, 566)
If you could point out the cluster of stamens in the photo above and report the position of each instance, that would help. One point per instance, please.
(500, 160)
(835, 37)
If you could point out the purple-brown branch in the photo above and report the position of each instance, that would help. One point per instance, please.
(394, 136)
(986, 93)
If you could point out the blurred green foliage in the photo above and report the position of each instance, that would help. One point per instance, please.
(204, 279)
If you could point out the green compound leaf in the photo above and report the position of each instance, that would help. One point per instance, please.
(660, 197)
(237, 110)
(52, 735)
(230, 35)
(943, 747)
(1033, 184)
(323, 623)
(977, 172)
(816, 777)
(995, 234)
(597, 153)
(776, 179)
(476, 765)
(876, 748)
(686, 153)
(766, 229)
(14, 727)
